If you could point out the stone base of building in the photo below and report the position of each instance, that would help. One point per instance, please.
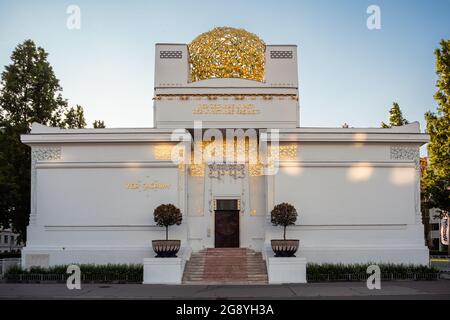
(51, 256)
(360, 255)
(48, 256)
(165, 270)
(285, 270)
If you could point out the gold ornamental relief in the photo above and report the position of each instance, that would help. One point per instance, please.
(226, 52)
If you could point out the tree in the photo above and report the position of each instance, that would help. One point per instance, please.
(74, 118)
(99, 124)
(437, 176)
(29, 92)
(283, 214)
(167, 215)
(395, 117)
(9, 187)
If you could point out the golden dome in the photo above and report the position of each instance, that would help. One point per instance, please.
(226, 52)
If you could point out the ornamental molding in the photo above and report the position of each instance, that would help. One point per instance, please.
(406, 153)
(45, 154)
(227, 96)
(236, 171)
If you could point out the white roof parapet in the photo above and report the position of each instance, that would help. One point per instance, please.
(409, 133)
(172, 71)
(413, 127)
(41, 134)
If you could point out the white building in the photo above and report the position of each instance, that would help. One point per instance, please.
(434, 233)
(356, 189)
(9, 241)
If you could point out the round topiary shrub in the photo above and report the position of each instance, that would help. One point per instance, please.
(167, 215)
(283, 214)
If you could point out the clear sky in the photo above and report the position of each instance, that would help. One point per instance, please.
(347, 72)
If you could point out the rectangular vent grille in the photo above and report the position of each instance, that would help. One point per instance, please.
(170, 55)
(281, 55)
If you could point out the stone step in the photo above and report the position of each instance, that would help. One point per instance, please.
(212, 283)
(219, 281)
(227, 262)
(199, 273)
(225, 266)
(225, 276)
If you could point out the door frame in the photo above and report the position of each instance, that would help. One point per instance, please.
(228, 197)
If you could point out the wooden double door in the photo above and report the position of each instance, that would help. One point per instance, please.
(226, 224)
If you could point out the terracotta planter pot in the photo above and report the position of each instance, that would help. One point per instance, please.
(166, 248)
(285, 248)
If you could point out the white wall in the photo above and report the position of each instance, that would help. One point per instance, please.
(358, 194)
(265, 113)
(99, 196)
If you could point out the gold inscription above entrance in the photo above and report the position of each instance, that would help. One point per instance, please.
(229, 109)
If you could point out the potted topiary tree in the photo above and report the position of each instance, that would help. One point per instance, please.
(284, 215)
(167, 215)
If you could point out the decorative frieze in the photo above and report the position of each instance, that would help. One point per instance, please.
(406, 153)
(197, 170)
(281, 54)
(229, 96)
(237, 171)
(285, 152)
(163, 152)
(167, 54)
(410, 153)
(45, 154)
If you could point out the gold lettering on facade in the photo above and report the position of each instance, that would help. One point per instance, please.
(132, 185)
(227, 109)
(147, 186)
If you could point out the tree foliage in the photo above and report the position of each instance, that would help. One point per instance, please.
(75, 118)
(167, 215)
(29, 92)
(395, 117)
(283, 214)
(437, 176)
(99, 124)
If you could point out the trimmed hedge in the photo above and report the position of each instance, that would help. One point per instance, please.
(133, 273)
(358, 272)
(116, 269)
(313, 268)
(110, 273)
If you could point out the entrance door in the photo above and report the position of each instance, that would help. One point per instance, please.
(226, 224)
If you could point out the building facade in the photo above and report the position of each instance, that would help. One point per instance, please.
(434, 232)
(9, 241)
(356, 189)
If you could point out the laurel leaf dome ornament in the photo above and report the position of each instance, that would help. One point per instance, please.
(226, 52)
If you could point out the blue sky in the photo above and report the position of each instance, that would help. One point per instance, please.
(347, 72)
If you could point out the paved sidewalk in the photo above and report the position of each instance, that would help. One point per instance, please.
(342, 290)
